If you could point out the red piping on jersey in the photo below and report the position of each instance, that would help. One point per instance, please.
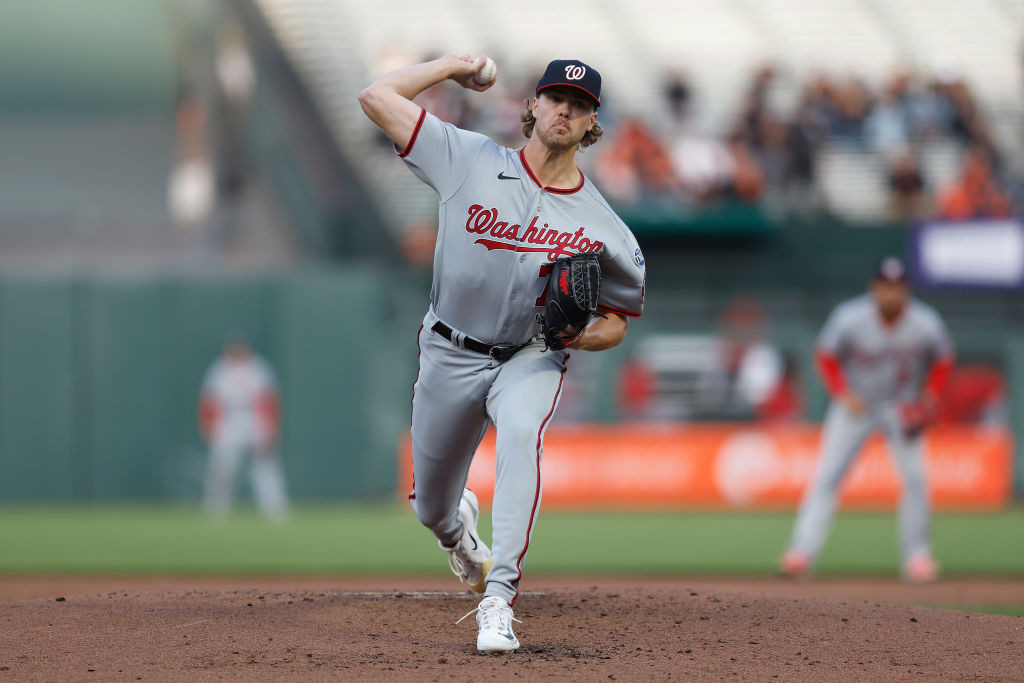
(412, 405)
(831, 372)
(938, 375)
(556, 190)
(619, 311)
(536, 493)
(573, 85)
(412, 140)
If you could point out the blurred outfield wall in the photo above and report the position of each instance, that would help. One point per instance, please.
(99, 378)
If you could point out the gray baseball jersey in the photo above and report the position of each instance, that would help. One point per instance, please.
(239, 392)
(886, 365)
(880, 362)
(499, 229)
(499, 233)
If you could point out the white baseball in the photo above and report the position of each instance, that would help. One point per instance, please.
(486, 73)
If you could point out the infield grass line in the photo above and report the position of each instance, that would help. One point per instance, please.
(385, 538)
(1006, 610)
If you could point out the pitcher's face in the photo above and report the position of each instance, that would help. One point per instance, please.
(564, 116)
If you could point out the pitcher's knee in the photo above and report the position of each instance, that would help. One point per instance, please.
(518, 434)
(432, 517)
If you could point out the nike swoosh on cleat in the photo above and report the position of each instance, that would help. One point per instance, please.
(502, 176)
(475, 545)
(509, 635)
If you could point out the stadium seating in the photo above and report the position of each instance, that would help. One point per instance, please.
(341, 46)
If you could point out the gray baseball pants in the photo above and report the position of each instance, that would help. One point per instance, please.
(457, 395)
(844, 435)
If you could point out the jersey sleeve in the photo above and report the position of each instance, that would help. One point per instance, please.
(440, 154)
(623, 277)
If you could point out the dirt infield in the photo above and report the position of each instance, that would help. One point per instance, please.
(592, 629)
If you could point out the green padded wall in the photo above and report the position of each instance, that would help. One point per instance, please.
(99, 380)
(100, 375)
(40, 386)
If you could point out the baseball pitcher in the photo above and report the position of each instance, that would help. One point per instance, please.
(530, 262)
(884, 358)
(239, 416)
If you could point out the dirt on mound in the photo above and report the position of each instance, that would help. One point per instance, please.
(613, 632)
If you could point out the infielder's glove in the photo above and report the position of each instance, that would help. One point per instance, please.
(573, 290)
(915, 417)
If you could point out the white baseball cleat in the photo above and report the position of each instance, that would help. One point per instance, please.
(494, 617)
(470, 559)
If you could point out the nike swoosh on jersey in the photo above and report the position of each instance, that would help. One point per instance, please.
(502, 176)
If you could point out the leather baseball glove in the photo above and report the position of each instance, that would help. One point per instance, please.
(915, 417)
(573, 289)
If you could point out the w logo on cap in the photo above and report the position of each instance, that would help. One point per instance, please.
(575, 72)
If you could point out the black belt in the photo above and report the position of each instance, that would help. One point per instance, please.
(498, 352)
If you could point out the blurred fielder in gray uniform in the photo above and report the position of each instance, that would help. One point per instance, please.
(505, 217)
(884, 357)
(240, 417)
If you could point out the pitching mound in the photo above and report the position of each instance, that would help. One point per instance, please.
(617, 631)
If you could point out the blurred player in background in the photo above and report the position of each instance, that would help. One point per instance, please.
(239, 416)
(884, 358)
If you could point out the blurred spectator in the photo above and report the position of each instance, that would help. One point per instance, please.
(192, 183)
(965, 120)
(851, 103)
(638, 388)
(975, 194)
(236, 79)
(801, 147)
(773, 151)
(887, 127)
(635, 164)
(758, 375)
(677, 93)
(754, 109)
(703, 166)
(618, 175)
(769, 152)
(907, 199)
(930, 111)
(747, 182)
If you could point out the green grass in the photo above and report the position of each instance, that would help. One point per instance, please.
(386, 538)
(1008, 610)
